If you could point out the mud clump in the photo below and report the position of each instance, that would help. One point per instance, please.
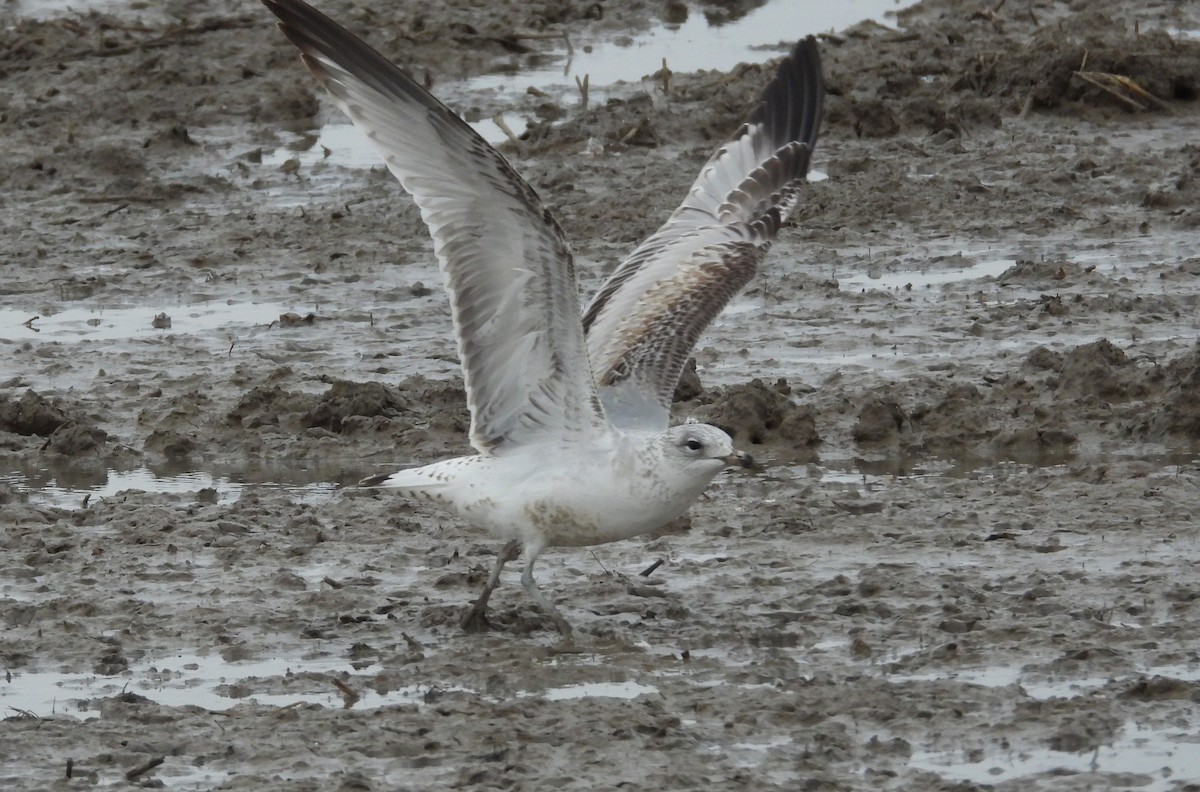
(1046, 274)
(689, 385)
(265, 405)
(1006, 420)
(936, 78)
(1042, 358)
(440, 404)
(419, 415)
(345, 400)
(32, 414)
(1048, 70)
(169, 443)
(758, 414)
(73, 439)
(1090, 388)
(880, 423)
(1176, 410)
(955, 424)
(1102, 371)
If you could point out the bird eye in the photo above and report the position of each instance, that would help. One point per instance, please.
(694, 445)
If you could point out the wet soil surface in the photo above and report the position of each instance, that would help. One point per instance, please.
(970, 366)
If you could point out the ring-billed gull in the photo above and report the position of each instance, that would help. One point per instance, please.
(569, 413)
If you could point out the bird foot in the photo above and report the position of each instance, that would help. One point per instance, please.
(563, 628)
(476, 621)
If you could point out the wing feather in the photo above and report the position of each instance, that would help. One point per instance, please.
(505, 263)
(647, 317)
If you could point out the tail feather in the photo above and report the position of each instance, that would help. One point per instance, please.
(414, 478)
(431, 482)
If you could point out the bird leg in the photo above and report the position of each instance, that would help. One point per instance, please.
(476, 618)
(532, 590)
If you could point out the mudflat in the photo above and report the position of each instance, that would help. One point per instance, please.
(970, 366)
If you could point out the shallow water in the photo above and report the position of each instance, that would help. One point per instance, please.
(209, 682)
(130, 323)
(192, 680)
(1042, 686)
(1160, 758)
(43, 9)
(69, 487)
(923, 278)
(216, 684)
(610, 67)
(53, 493)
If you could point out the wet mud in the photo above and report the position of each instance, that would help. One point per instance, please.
(969, 370)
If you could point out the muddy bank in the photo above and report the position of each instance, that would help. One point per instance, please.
(969, 368)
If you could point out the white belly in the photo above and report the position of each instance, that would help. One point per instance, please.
(562, 504)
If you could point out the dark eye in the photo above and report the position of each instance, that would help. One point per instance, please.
(694, 445)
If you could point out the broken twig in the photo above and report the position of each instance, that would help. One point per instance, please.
(144, 768)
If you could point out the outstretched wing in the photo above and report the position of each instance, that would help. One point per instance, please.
(645, 320)
(504, 261)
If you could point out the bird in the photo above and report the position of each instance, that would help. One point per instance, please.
(570, 409)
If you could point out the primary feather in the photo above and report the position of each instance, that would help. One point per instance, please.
(645, 320)
(505, 264)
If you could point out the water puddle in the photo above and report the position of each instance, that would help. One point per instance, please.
(611, 68)
(1159, 757)
(618, 690)
(215, 684)
(940, 264)
(749, 754)
(73, 491)
(44, 9)
(68, 487)
(698, 43)
(1042, 686)
(923, 278)
(192, 680)
(113, 324)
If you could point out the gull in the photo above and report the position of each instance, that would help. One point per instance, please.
(570, 412)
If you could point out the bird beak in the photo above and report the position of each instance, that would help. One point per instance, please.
(740, 459)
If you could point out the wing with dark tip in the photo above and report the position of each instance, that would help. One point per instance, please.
(645, 320)
(505, 264)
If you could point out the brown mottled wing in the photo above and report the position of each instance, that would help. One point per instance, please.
(505, 264)
(645, 320)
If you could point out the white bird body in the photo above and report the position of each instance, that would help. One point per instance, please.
(541, 497)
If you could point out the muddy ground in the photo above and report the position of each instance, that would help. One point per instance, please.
(970, 365)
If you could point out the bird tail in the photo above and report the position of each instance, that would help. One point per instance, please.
(415, 478)
(413, 483)
(429, 481)
(380, 480)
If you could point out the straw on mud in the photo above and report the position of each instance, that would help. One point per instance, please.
(350, 696)
(499, 121)
(650, 569)
(144, 768)
(545, 36)
(583, 90)
(1119, 87)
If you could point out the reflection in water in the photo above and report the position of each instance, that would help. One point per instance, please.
(216, 684)
(923, 278)
(107, 324)
(1153, 757)
(68, 485)
(698, 42)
